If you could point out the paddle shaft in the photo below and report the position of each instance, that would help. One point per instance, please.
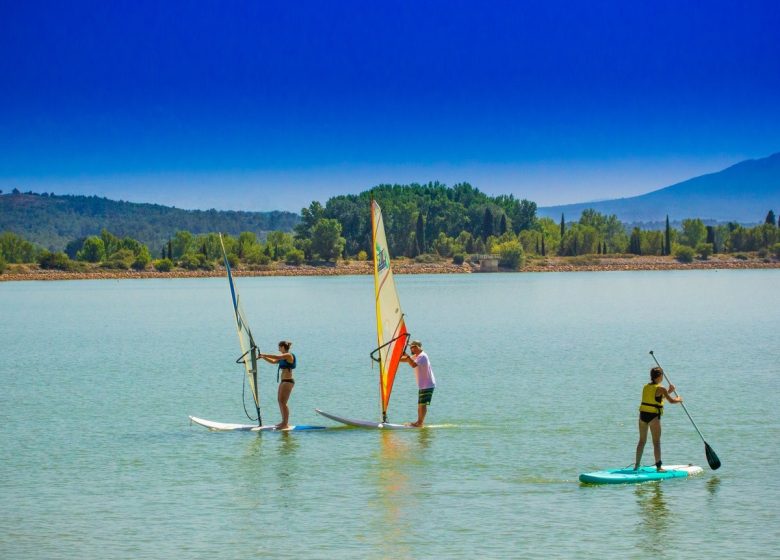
(669, 381)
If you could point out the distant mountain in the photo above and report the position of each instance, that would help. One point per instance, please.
(743, 193)
(53, 221)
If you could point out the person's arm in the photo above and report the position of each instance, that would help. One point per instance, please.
(666, 393)
(270, 358)
(408, 359)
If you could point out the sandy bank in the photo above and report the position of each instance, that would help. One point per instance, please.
(402, 266)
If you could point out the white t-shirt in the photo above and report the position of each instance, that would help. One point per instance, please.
(424, 372)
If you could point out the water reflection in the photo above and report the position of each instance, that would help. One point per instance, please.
(395, 493)
(654, 514)
(713, 485)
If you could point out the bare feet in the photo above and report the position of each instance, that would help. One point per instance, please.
(660, 469)
(414, 424)
(281, 426)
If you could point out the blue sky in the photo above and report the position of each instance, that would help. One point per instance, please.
(269, 105)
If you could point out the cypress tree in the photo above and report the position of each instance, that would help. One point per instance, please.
(544, 251)
(487, 224)
(668, 238)
(770, 218)
(635, 245)
(563, 226)
(502, 225)
(170, 250)
(420, 234)
(537, 246)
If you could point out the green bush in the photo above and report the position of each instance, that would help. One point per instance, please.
(362, 256)
(54, 261)
(195, 261)
(776, 250)
(458, 258)
(704, 250)
(427, 258)
(511, 254)
(163, 265)
(122, 259)
(294, 257)
(3, 264)
(741, 256)
(683, 253)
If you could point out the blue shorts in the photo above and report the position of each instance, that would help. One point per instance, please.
(424, 396)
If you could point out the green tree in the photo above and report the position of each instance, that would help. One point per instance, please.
(16, 249)
(111, 242)
(3, 264)
(770, 218)
(183, 242)
(93, 250)
(310, 217)
(280, 244)
(326, 239)
(652, 242)
(247, 240)
(693, 232)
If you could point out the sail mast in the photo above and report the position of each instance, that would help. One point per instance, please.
(248, 347)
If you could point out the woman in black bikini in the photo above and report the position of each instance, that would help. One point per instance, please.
(650, 411)
(286, 362)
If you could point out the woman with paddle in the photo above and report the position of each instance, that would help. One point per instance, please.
(286, 362)
(650, 411)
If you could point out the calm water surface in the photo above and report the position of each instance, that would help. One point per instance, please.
(539, 379)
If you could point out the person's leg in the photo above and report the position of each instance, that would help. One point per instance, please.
(655, 430)
(283, 395)
(422, 409)
(640, 447)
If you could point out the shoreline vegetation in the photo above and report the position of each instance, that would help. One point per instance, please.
(586, 263)
(430, 229)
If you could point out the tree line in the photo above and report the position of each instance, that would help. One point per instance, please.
(424, 222)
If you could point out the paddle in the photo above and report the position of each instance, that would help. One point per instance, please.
(712, 458)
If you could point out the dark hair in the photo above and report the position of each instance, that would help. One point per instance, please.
(285, 344)
(655, 373)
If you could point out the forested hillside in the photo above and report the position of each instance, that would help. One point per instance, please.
(54, 221)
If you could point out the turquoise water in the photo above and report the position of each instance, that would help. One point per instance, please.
(539, 377)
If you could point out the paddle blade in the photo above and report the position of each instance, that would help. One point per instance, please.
(712, 458)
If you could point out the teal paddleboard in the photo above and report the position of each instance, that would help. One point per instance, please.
(644, 474)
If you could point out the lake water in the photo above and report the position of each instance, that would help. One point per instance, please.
(539, 378)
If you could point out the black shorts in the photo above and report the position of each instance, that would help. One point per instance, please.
(424, 396)
(648, 416)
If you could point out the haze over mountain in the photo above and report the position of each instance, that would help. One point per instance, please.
(744, 192)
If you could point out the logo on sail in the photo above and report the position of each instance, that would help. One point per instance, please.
(381, 259)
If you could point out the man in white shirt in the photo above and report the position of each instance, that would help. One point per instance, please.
(426, 382)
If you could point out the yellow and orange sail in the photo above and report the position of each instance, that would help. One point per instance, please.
(390, 328)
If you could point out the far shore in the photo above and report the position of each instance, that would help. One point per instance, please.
(589, 263)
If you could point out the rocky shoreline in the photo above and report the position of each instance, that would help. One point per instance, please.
(590, 263)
